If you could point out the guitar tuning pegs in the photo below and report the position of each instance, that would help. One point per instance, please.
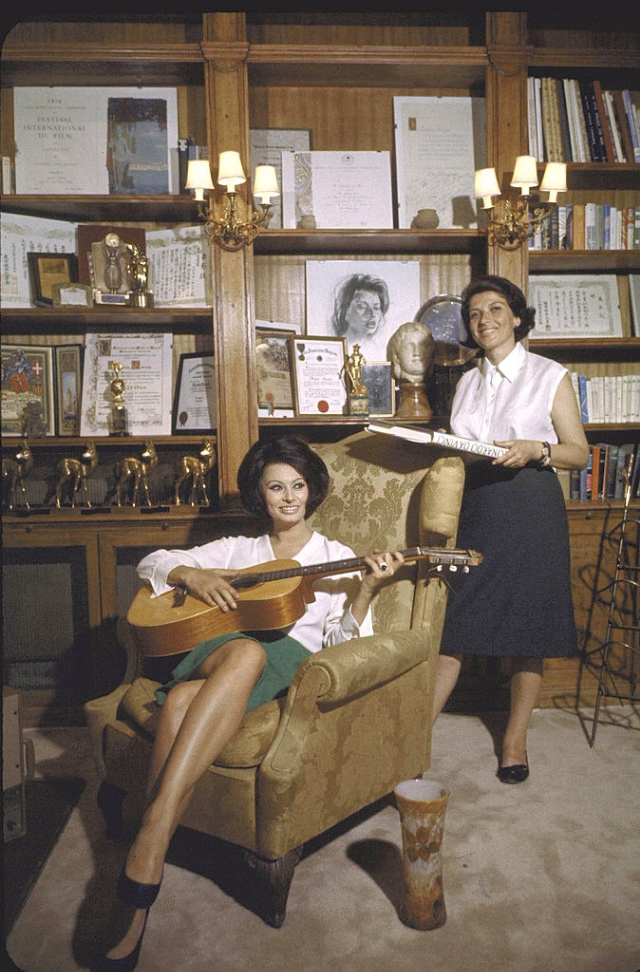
(465, 569)
(453, 567)
(439, 568)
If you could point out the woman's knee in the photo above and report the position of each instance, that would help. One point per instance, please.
(177, 702)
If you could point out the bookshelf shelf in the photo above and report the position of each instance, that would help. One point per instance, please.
(43, 320)
(575, 261)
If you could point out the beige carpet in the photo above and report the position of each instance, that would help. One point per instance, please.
(540, 877)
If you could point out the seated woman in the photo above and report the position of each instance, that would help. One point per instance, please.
(203, 705)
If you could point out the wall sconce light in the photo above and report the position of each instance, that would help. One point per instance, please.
(520, 218)
(231, 232)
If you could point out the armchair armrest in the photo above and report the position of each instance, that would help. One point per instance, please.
(362, 664)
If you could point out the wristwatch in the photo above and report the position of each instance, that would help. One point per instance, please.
(545, 458)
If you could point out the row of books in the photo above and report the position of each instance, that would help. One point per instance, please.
(607, 399)
(589, 226)
(609, 469)
(580, 121)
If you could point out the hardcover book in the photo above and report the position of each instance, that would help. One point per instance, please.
(422, 436)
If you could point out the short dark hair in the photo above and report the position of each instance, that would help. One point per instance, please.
(512, 294)
(291, 451)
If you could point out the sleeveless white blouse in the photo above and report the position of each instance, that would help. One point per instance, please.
(510, 401)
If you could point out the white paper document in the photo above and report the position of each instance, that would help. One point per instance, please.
(267, 146)
(69, 140)
(341, 190)
(440, 142)
(179, 266)
(575, 306)
(28, 234)
(146, 361)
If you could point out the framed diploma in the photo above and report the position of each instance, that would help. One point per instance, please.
(46, 270)
(68, 388)
(273, 360)
(575, 306)
(318, 371)
(27, 391)
(194, 403)
(381, 387)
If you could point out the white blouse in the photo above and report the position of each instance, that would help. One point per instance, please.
(510, 401)
(327, 620)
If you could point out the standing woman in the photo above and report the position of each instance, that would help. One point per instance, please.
(518, 601)
(284, 481)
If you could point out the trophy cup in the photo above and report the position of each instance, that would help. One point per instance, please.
(110, 270)
(356, 388)
(118, 408)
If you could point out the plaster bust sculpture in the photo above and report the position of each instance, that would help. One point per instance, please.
(411, 351)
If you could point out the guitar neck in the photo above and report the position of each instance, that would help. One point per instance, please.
(438, 555)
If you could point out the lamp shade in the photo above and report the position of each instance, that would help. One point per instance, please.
(525, 173)
(230, 171)
(554, 179)
(198, 177)
(265, 183)
(486, 186)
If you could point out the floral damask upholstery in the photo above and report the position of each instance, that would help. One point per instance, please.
(357, 717)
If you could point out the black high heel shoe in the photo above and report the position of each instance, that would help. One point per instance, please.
(135, 895)
(514, 774)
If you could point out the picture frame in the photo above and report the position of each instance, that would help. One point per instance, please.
(28, 406)
(273, 370)
(381, 387)
(194, 403)
(68, 364)
(46, 270)
(318, 373)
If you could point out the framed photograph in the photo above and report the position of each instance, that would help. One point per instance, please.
(72, 295)
(194, 403)
(68, 388)
(46, 270)
(381, 387)
(318, 370)
(27, 391)
(273, 361)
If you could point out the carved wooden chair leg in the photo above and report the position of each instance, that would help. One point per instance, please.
(273, 879)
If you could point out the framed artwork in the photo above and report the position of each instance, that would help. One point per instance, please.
(68, 388)
(364, 301)
(273, 369)
(194, 403)
(381, 387)
(318, 370)
(46, 270)
(27, 390)
(72, 295)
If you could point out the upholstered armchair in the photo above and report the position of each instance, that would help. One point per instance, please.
(357, 717)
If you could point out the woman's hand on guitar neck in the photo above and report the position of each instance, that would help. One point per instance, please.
(380, 566)
(208, 585)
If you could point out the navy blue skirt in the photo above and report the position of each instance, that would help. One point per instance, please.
(518, 600)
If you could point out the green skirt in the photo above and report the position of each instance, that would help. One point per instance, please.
(284, 656)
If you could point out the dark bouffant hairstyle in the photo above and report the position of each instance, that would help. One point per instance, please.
(295, 453)
(512, 294)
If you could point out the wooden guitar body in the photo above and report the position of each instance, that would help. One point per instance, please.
(175, 622)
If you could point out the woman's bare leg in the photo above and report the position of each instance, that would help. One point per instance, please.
(447, 672)
(202, 718)
(526, 681)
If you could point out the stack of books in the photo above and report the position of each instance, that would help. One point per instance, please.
(580, 121)
(589, 226)
(609, 470)
(608, 399)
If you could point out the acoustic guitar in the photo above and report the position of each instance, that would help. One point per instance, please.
(272, 596)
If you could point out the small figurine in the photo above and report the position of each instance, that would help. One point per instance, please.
(131, 473)
(195, 468)
(32, 426)
(356, 388)
(141, 296)
(118, 409)
(14, 471)
(72, 474)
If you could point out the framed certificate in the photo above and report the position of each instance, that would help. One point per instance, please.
(68, 388)
(27, 391)
(318, 370)
(273, 361)
(194, 403)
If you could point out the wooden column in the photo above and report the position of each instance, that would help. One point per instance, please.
(507, 123)
(225, 51)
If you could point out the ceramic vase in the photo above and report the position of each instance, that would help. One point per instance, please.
(422, 805)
